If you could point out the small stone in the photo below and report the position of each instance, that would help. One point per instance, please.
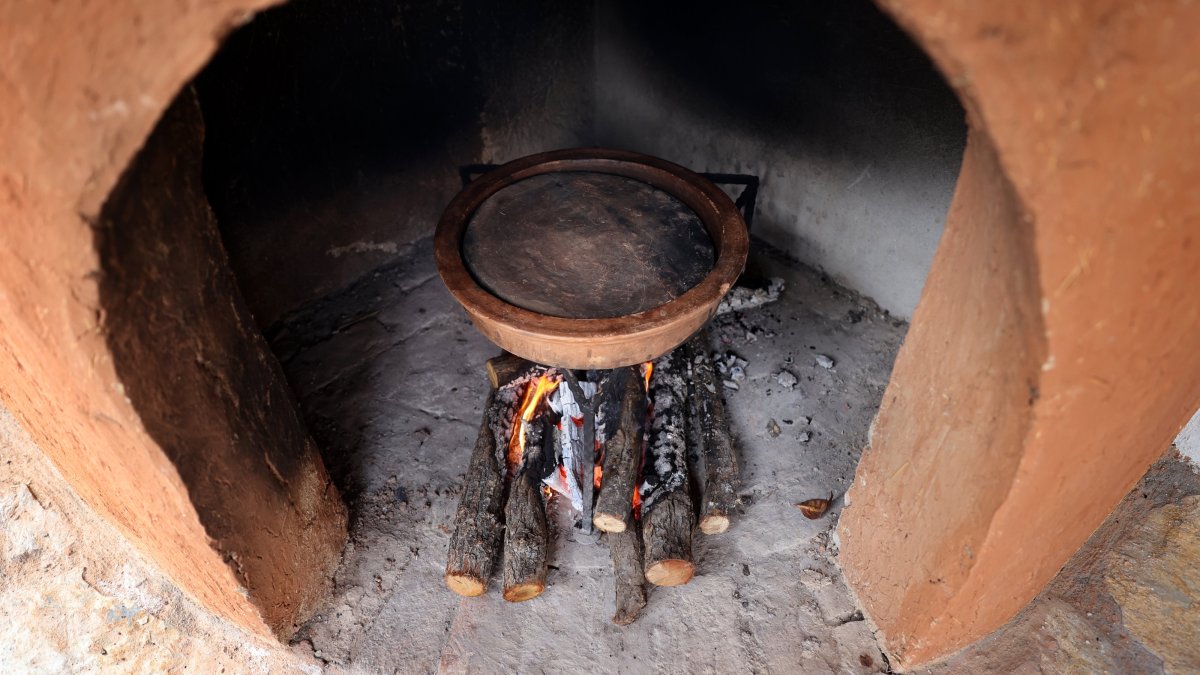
(737, 373)
(773, 428)
(730, 384)
(805, 437)
(824, 361)
(814, 579)
(786, 379)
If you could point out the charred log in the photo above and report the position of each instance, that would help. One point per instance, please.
(622, 450)
(720, 461)
(665, 468)
(508, 368)
(478, 528)
(578, 441)
(525, 523)
(668, 517)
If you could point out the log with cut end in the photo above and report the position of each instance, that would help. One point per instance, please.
(525, 524)
(477, 523)
(622, 451)
(629, 581)
(667, 536)
(720, 462)
(507, 368)
(668, 515)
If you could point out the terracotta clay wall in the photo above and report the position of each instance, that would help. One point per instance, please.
(206, 385)
(1055, 352)
(81, 86)
(1080, 204)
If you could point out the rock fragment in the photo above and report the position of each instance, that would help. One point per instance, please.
(786, 379)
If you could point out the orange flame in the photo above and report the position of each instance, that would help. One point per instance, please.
(647, 370)
(637, 503)
(597, 475)
(534, 392)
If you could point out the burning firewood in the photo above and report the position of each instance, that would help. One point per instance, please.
(720, 462)
(641, 423)
(575, 442)
(477, 523)
(667, 512)
(525, 512)
(629, 582)
(525, 518)
(620, 390)
(507, 368)
(620, 415)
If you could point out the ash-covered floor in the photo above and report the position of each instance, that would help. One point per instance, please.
(391, 377)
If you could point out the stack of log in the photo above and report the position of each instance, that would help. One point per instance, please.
(665, 460)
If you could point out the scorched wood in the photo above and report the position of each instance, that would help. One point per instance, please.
(576, 441)
(667, 511)
(623, 449)
(720, 462)
(477, 523)
(525, 523)
(507, 368)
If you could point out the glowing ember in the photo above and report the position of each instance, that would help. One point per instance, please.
(637, 503)
(597, 474)
(534, 392)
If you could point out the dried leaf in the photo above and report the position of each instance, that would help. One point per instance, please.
(815, 508)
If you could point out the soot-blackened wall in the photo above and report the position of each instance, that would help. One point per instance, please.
(856, 136)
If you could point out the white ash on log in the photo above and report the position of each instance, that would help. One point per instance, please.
(575, 444)
(478, 527)
(719, 494)
(525, 522)
(585, 395)
(622, 416)
(668, 517)
(666, 453)
(507, 368)
(629, 581)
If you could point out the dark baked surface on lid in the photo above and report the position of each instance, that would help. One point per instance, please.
(586, 245)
